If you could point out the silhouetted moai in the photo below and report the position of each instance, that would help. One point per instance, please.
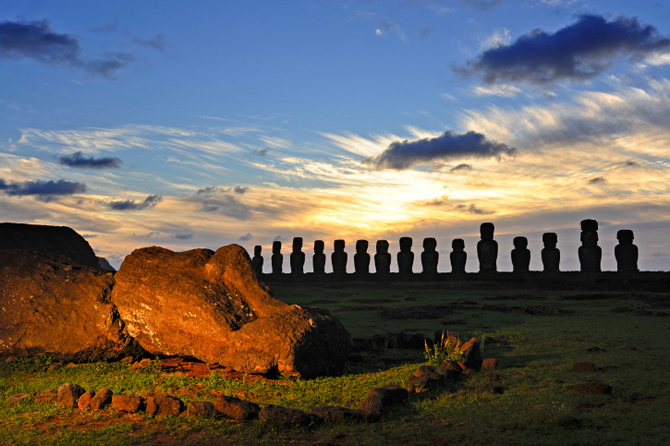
(551, 255)
(257, 261)
(590, 254)
(362, 258)
(319, 259)
(429, 256)
(297, 257)
(405, 256)
(339, 258)
(277, 258)
(382, 257)
(520, 255)
(458, 256)
(487, 249)
(626, 252)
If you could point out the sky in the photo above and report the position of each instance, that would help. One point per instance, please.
(197, 124)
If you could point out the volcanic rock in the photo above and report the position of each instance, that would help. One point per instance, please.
(164, 405)
(102, 398)
(280, 416)
(84, 402)
(127, 403)
(210, 305)
(68, 395)
(336, 414)
(200, 409)
(46, 396)
(380, 398)
(52, 304)
(236, 409)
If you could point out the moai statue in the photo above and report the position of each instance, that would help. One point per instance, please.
(405, 256)
(257, 261)
(520, 255)
(458, 256)
(362, 258)
(590, 254)
(382, 257)
(487, 249)
(626, 252)
(551, 255)
(429, 256)
(277, 258)
(319, 259)
(339, 258)
(297, 257)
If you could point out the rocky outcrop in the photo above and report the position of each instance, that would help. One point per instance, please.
(56, 305)
(210, 305)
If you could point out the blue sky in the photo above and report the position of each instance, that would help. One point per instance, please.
(204, 123)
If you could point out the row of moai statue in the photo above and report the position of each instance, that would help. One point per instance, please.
(590, 254)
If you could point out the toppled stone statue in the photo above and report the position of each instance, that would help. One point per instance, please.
(277, 258)
(257, 261)
(405, 256)
(362, 258)
(458, 256)
(319, 258)
(487, 249)
(520, 255)
(551, 256)
(429, 257)
(297, 257)
(339, 258)
(382, 258)
(590, 254)
(626, 252)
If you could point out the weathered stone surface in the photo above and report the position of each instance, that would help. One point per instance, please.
(489, 364)
(380, 398)
(84, 402)
(425, 378)
(46, 396)
(472, 354)
(200, 409)
(451, 370)
(236, 409)
(210, 305)
(284, 417)
(68, 395)
(593, 388)
(336, 414)
(55, 305)
(127, 403)
(164, 405)
(102, 398)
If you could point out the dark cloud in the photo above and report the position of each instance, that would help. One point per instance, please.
(246, 237)
(44, 189)
(213, 190)
(631, 163)
(461, 167)
(481, 5)
(260, 152)
(472, 209)
(402, 155)
(132, 205)
(577, 52)
(598, 180)
(240, 189)
(35, 40)
(109, 28)
(425, 32)
(279, 238)
(158, 42)
(184, 236)
(78, 161)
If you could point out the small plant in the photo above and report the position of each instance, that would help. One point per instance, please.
(442, 352)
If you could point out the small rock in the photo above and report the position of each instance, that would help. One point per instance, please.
(164, 405)
(46, 396)
(451, 370)
(594, 388)
(84, 402)
(128, 360)
(101, 399)
(236, 409)
(425, 378)
(140, 364)
(490, 364)
(336, 414)
(127, 403)
(54, 366)
(380, 398)
(584, 367)
(284, 417)
(16, 399)
(200, 409)
(472, 355)
(68, 395)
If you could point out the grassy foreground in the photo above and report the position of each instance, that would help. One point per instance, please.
(537, 336)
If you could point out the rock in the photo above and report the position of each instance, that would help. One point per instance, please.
(335, 414)
(450, 370)
(16, 399)
(68, 395)
(55, 305)
(236, 409)
(102, 398)
(46, 396)
(200, 409)
(472, 355)
(140, 364)
(127, 403)
(280, 416)
(584, 367)
(490, 364)
(164, 405)
(592, 388)
(380, 398)
(493, 376)
(59, 240)
(425, 378)
(54, 366)
(84, 402)
(210, 305)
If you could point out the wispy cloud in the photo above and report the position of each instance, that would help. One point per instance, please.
(385, 26)
(79, 161)
(157, 42)
(132, 205)
(42, 188)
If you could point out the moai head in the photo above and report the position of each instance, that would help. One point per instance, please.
(550, 239)
(405, 244)
(362, 246)
(339, 245)
(589, 236)
(319, 246)
(625, 236)
(257, 250)
(520, 242)
(297, 244)
(589, 225)
(458, 244)
(382, 247)
(486, 231)
(429, 244)
(276, 247)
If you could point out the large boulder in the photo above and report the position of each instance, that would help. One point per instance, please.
(210, 305)
(53, 304)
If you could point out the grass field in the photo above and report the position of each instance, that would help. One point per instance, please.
(537, 336)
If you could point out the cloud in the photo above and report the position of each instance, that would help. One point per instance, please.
(598, 180)
(78, 161)
(481, 5)
(461, 167)
(425, 32)
(240, 189)
(260, 152)
(184, 236)
(44, 189)
(401, 155)
(110, 27)
(472, 209)
(386, 26)
(223, 201)
(35, 40)
(438, 6)
(132, 205)
(246, 237)
(157, 42)
(503, 90)
(576, 52)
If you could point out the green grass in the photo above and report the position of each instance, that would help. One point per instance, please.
(536, 356)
